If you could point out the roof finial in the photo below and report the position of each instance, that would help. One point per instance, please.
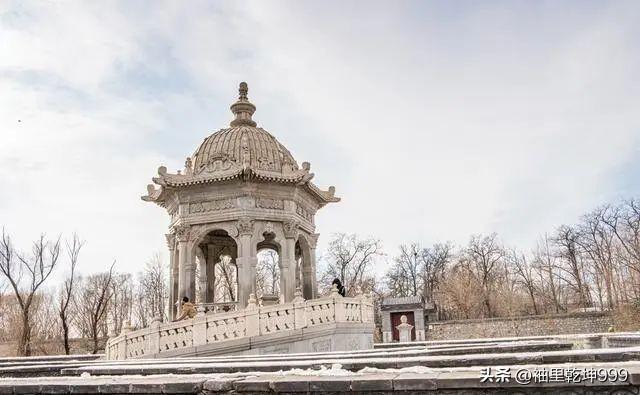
(244, 89)
(243, 108)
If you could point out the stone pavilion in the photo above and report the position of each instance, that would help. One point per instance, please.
(240, 192)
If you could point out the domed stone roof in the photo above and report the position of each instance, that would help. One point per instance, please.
(261, 149)
(244, 143)
(242, 151)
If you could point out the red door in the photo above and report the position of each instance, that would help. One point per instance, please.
(395, 321)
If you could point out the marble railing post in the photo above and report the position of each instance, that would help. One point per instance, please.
(338, 305)
(122, 346)
(199, 330)
(364, 314)
(107, 349)
(299, 310)
(252, 317)
(153, 338)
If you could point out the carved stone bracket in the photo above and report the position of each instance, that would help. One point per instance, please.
(290, 229)
(171, 240)
(182, 232)
(268, 227)
(245, 226)
(313, 240)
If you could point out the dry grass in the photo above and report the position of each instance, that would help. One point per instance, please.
(626, 317)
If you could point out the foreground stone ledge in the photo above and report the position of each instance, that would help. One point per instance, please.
(357, 363)
(379, 382)
(600, 339)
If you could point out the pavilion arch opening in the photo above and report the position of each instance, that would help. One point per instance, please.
(216, 279)
(268, 270)
(304, 268)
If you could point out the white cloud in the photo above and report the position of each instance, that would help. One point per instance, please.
(433, 123)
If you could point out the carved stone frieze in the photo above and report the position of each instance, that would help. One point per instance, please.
(217, 163)
(290, 229)
(274, 204)
(265, 163)
(321, 346)
(304, 213)
(212, 205)
(245, 226)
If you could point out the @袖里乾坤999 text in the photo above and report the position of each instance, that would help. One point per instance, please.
(543, 375)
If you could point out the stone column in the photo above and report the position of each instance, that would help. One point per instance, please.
(246, 262)
(288, 261)
(203, 275)
(213, 253)
(173, 275)
(190, 273)
(185, 272)
(313, 242)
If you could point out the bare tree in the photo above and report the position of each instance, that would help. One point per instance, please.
(121, 303)
(484, 253)
(460, 291)
(435, 260)
(596, 241)
(152, 293)
(547, 270)
(572, 264)
(349, 259)
(66, 293)
(526, 278)
(268, 273)
(406, 274)
(25, 276)
(92, 305)
(418, 271)
(225, 279)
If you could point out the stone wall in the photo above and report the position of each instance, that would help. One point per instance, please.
(538, 325)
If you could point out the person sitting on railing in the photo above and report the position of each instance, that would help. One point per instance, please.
(188, 310)
(341, 289)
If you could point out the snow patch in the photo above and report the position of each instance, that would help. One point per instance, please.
(411, 369)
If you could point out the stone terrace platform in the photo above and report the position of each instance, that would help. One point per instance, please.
(324, 324)
(450, 368)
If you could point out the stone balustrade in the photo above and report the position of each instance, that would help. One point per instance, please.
(211, 328)
(222, 307)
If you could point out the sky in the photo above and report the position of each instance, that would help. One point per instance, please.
(434, 120)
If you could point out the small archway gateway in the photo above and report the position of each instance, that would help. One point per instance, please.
(240, 192)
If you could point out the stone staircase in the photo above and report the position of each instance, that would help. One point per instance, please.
(442, 368)
(331, 323)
